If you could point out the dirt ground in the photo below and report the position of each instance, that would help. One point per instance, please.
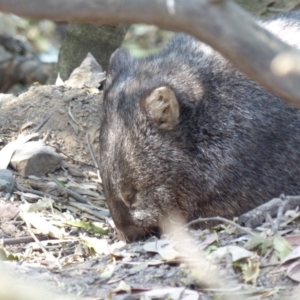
(73, 113)
(70, 248)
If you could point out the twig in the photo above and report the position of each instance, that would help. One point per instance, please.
(91, 151)
(93, 157)
(268, 253)
(220, 219)
(39, 193)
(40, 126)
(87, 210)
(46, 136)
(73, 118)
(71, 158)
(269, 265)
(64, 201)
(72, 194)
(269, 219)
(22, 240)
(36, 239)
(291, 220)
(285, 201)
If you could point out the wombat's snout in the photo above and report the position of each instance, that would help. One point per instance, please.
(134, 233)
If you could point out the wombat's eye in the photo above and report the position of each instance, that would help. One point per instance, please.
(102, 85)
(129, 197)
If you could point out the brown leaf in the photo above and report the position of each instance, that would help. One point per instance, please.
(8, 211)
(293, 271)
(294, 240)
(295, 254)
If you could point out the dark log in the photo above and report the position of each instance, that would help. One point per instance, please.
(18, 64)
(24, 70)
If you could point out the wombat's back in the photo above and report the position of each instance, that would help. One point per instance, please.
(184, 131)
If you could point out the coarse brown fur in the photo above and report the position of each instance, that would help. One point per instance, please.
(232, 147)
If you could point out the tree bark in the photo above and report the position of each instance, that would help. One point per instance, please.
(221, 24)
(101, 40)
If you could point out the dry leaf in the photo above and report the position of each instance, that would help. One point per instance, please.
(163, 248)
(43, 226)
(293, 271)
(295, 254)
(237, 253)
(252, 271)
(108, 271)
(8, 212)
(122, 287)
(100, 246)
(8, 150)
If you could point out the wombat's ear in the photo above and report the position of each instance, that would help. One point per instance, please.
(162, 107)
(118, 59)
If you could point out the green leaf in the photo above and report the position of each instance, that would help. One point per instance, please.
(4, 255)
(88, 226)
(258, 243)
(282, 246)
(58, 182)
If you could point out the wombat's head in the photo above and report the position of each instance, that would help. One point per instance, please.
(145, 146)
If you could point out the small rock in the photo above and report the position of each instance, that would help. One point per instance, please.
(88, 74)
(35, 158)
(6, 181)
(8, 211)
(9, 228)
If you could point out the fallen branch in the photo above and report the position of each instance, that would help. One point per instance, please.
(22, 240)
(39, 193)
(70, 193)
(91, 211)
(220, 219)
(282, 208)
(221, 24)
(256, 216)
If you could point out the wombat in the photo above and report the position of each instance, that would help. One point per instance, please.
(184, 131)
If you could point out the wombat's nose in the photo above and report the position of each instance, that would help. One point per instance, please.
(133, 233)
